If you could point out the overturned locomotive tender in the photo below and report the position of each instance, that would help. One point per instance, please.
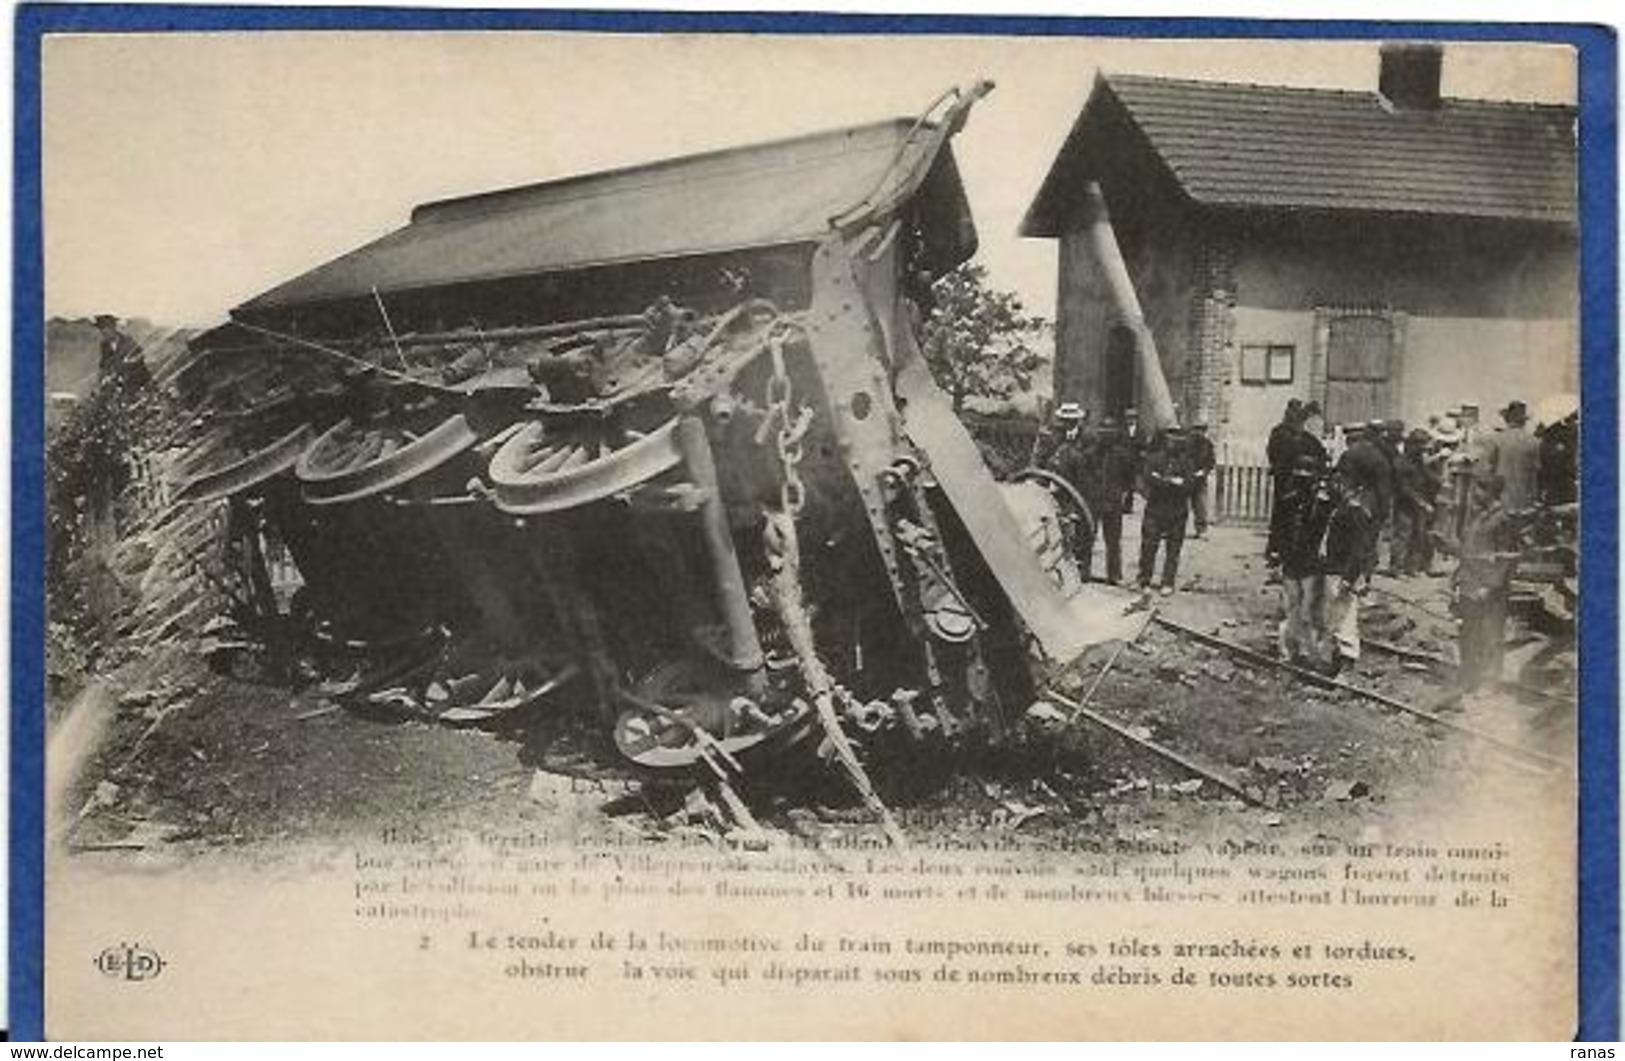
(662, 437)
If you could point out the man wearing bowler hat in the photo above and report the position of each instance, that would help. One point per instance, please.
(1512, 453)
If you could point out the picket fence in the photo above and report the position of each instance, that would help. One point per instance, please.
(1242, 488)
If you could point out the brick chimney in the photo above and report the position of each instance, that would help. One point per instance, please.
(1409, 76)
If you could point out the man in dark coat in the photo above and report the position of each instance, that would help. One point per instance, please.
(1390, 439)
(1067, 424)
(1134, 435)
(1203, 461)
(1365, 466)
(1303, 565)
(1074, 460)
(1064, 448)
(1282, 453)
(1108, 482)
(1351, 550)
(1416, 488)
(1167, 476)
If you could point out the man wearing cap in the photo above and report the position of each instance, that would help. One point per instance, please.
(1109, 481)
(1389, 436)
(1364, 467)
(1513, 454)
(1302, 633)
(1167, 482)
(1416, 489)
(1134, 436)
(1203, 461)
(1350, 557)
(1282, 453)
(1365, 463)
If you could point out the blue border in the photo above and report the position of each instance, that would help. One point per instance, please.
(1599, 611)
(1599, 196)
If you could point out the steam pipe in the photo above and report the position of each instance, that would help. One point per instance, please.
(1155, 402)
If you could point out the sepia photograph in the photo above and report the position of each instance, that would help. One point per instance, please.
(585, 535)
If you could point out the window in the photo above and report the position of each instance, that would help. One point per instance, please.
(1266, 363)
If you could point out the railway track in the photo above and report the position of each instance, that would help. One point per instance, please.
(1263, 709)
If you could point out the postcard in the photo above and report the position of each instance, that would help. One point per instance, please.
(574, 534)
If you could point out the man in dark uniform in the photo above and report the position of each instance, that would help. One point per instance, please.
(1111, 479)
(1364, 463)
(1351, 550)
(1282, 453)
(1203, 461)
(1135, 436)
(1393, 436)
(1073, 458)
(1167, 478)
(1365, 467)
(1390, 438)
(1416, 489)
(1303, 565)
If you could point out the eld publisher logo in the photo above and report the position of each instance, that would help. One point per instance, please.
(130, 961)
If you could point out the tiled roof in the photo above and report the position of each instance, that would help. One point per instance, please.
(1270, 147)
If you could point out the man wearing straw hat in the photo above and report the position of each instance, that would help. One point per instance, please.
(1066, 427)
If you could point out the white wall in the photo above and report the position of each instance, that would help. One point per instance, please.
(1450, 360)
(1253, 410)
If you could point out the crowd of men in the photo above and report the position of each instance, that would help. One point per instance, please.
(1344, 500)
(1408, 494)
(1108, 465)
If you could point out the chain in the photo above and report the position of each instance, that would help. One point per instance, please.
(792, 429)
(784, 587)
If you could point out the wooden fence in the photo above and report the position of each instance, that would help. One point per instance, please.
(1242, 490)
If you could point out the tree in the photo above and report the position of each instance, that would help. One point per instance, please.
(980, 342)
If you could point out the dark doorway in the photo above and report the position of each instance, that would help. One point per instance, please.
(1118, 385)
